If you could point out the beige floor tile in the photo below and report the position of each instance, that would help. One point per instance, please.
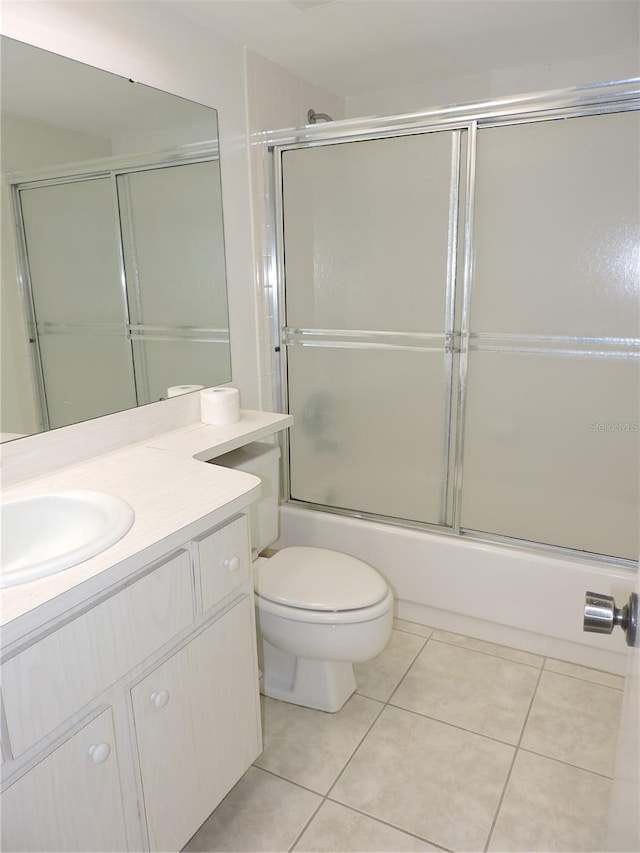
(479, 692)
(412, 628)
(311, 747)
(586, 674)
(433, 780)
(574, 721)
(378, 678)
(550, 806)
(262, 812)
(336, 829)
(488, 648)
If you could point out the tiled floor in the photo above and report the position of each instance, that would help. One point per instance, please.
(449, 743)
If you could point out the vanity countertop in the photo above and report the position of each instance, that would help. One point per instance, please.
(175, 498)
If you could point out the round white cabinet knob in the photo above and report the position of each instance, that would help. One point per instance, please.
(99, 752)
(159, 698)
(233, 564)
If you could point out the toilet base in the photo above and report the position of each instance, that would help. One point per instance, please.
(319, 684)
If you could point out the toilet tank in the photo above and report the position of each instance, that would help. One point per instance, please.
(262, 460)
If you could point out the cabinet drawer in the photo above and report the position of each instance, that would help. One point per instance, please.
(51, 680)
(224, 560)
(71, 800)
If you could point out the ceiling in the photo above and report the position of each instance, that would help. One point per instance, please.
(354, 47)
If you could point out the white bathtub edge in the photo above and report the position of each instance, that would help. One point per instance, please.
(529, 600)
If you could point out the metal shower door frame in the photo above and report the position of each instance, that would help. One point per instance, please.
(448, 342)
(466, 120)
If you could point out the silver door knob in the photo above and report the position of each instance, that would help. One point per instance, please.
(601, 616)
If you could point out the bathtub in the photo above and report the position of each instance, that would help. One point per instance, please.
(526, 599)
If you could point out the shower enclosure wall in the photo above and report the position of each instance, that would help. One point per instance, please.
(458, 321)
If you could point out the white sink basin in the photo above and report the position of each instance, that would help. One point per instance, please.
(46, 533)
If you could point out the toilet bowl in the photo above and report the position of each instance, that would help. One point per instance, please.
(317, 611)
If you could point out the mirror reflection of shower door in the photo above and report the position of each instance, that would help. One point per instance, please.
(80, 316)
(174, 257)
(126, 286)
(369, 246)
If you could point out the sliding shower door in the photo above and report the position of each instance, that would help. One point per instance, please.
(461, 323)
(369, 245)
(551, 427)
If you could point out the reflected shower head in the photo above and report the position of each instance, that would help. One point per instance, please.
(314, 118)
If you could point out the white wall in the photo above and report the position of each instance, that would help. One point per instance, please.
(27, 145)
(149, 43)
(501, 82)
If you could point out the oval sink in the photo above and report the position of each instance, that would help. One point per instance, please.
(47, 533)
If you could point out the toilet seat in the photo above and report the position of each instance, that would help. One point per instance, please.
(326, 617)
(320, 581)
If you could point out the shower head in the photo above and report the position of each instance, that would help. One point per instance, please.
(314, 118)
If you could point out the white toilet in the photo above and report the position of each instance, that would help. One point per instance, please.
(318, 611)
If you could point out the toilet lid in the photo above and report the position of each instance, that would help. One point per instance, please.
(319, 579)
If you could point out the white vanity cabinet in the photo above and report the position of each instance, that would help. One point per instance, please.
(71, 800)
(197, 735)
(51, 679)
(131, 718)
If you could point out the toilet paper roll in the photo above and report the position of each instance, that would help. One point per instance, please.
(177, 390)
(220, 406)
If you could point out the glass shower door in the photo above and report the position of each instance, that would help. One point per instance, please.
(370, 255)
(551, 427)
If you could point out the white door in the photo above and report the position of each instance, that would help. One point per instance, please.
(624, 815)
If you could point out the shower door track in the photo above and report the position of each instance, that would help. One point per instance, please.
(596, 99)
(510, 542)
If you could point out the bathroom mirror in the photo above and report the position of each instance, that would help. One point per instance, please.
(113, 271)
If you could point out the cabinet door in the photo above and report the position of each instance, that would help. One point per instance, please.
(197, 723)
(71, 800)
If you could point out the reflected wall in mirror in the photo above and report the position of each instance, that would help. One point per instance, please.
(113, 272)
